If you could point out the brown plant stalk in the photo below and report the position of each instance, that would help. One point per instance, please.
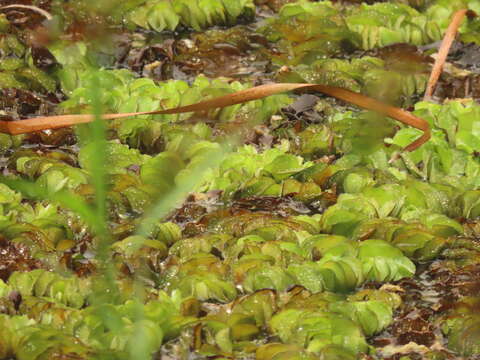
(255, 93)
(442, 55)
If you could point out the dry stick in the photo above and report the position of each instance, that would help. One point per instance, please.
(443, 51)
(46, 14)
(255, 93)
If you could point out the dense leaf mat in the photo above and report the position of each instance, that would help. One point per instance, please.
(292, 227)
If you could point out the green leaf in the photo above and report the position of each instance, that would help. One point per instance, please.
(373, 316)
(118, 156)
(383, 262)
(267, 277)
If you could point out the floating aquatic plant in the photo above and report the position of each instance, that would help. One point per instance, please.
(288, 227)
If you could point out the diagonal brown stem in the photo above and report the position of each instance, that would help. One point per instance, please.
(443, 52)
(255, 93)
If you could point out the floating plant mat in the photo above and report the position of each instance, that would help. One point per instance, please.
(242, 189)
(38, 124)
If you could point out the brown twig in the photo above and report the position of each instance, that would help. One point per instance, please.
(255, 93)
(443, 51)
(42, 12)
